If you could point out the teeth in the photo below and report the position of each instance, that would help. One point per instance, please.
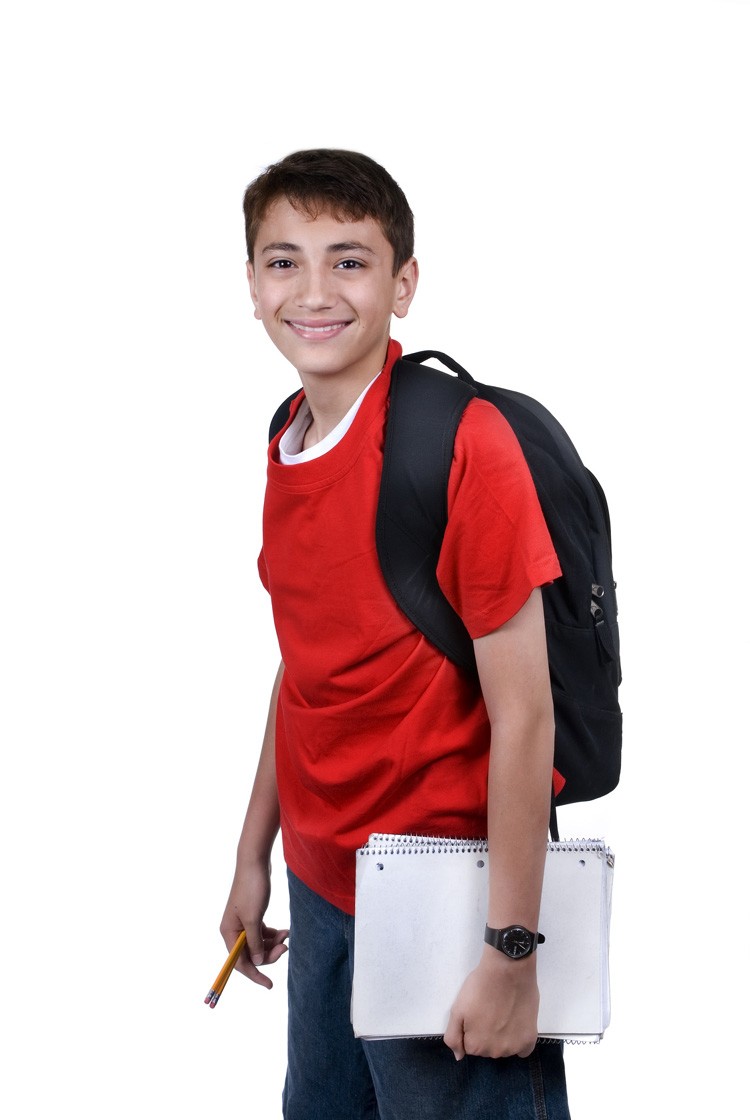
(319, 330)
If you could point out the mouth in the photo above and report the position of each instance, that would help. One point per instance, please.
(317, 329)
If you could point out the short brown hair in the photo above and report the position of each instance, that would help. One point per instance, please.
(348, 184)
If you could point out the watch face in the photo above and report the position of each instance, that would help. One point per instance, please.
(517, 942)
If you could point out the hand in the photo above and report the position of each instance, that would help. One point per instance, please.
(495, 1013)
(248, 899)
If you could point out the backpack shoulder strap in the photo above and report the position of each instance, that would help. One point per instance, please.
(281, 415)
(424, 412)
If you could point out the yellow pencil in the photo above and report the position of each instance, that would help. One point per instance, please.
(220, 982)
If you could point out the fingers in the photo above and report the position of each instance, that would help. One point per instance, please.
(462, 1040)
(274, 946)
(264, 946)
(262, 941)
(461, 1045)
(454, 1037)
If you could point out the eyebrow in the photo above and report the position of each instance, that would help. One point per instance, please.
(282, 247)
(338, 247)
(350, 246)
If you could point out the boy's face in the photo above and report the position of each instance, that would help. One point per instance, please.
(325, 291)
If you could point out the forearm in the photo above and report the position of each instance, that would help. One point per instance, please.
(261, 823)
(251, 888)
(514, 675)
(496, 1012)
(519, 789)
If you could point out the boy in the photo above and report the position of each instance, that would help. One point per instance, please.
(370, 728)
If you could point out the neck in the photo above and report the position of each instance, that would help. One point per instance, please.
(330, 398)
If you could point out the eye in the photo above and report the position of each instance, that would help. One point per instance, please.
(349, 264)
(282, 263)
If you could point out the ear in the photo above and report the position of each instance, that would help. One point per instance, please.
(253, 290)
(406, 286)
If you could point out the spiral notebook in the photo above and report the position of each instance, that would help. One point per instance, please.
(421, 908)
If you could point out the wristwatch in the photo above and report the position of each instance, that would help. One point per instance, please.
(516, 942)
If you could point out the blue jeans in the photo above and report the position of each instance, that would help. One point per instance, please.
(332, 1075)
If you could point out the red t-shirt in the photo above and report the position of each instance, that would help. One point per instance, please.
(377, 731)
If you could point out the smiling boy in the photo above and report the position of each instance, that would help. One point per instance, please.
(370, 727)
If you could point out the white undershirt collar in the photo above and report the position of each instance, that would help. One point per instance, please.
(290, 445)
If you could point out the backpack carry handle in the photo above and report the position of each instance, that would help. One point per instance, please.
(445, 359)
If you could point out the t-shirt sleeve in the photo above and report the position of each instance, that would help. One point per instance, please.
(496, 548)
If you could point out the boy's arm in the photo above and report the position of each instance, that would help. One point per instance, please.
(495, 1014)
(251, 888)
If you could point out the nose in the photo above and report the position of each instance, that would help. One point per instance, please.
(315, 289)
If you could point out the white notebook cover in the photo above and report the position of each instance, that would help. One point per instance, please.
(419, 930)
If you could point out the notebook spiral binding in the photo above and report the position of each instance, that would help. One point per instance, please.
(380, 844)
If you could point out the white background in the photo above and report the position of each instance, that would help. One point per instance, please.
(580, 177)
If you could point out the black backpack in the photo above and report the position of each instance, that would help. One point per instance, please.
(580, 608)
